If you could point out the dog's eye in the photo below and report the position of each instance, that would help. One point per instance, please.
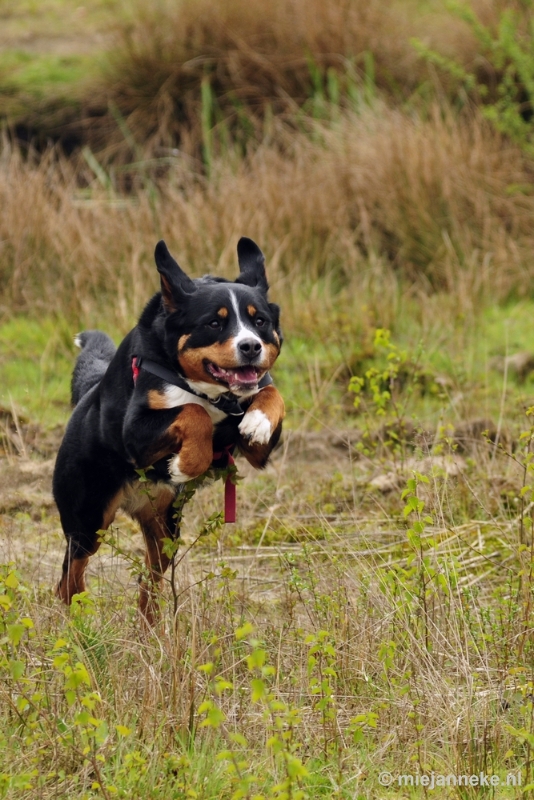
(215, 323)
(259, 322)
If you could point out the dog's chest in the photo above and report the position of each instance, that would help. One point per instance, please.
(174, 396)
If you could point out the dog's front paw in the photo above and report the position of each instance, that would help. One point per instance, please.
(256, 427)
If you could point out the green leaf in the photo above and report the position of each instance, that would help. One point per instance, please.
(244, 631)
(256, 659)
(5, 602)
(15, 633)
(16, 669)
(12, 581)
(77, 677)
(238, 738)
(258, 689)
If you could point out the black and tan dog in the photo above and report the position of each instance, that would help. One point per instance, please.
(186, 386)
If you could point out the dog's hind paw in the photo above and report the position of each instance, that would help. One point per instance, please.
(256, 427)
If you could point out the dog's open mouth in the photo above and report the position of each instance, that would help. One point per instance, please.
(237, 377)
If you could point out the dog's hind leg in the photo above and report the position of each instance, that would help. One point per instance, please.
(157, 523)
(81, 545)
(74, 564)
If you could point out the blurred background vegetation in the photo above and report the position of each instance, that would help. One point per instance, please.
(372, 609)
(381, 153)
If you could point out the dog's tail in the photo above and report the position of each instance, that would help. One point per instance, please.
(97, 351)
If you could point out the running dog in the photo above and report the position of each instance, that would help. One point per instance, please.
(187, 386)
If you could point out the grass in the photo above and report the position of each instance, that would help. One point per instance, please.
(372, 608)
(49, 53)
(172, 76)
(347, 655)
(462, 360)
(35, 366)
(448, 222)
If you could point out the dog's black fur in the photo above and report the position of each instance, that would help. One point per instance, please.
(155, 402)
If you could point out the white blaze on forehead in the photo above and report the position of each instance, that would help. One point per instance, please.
(243, 331)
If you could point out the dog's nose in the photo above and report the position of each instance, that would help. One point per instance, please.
(250, 348)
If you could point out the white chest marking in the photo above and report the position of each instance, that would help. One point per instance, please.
(175, 396)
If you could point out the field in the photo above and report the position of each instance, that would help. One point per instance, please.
(369, 618)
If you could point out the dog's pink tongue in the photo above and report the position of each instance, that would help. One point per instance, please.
(244, 375)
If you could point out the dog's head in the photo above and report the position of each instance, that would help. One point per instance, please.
(223, 335)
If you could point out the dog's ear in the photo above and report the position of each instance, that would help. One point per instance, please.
(251, 264)
(175, 284)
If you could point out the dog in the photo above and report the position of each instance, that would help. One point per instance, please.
(187, 386)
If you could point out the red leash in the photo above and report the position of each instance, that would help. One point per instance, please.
(230, 493)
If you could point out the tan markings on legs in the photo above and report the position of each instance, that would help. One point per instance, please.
(270, 402)
(73, 578)
(196, 432)
(152, 519)
(190, 435)
(73, 581)
(110, 510)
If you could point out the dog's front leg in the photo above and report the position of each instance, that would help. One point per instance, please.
(189, 440)
(186, 435)
(260, 428)
(193, 429)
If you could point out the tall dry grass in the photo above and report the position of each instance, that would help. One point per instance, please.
(252, 55)
(356, 212)
(178, 65)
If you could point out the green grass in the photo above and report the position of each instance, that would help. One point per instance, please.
(50, 51)
(37, 357)
(35, 363)
(340, 629)
(38, 75)
(331, 622)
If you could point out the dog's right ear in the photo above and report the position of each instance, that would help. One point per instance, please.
(175, 284)
(251, 264)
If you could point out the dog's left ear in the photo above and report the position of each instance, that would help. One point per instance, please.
(175, 284)
(251, 264)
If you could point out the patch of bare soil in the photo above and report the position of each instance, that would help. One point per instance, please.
(30, 531)
(70, 32)
(316, 486)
